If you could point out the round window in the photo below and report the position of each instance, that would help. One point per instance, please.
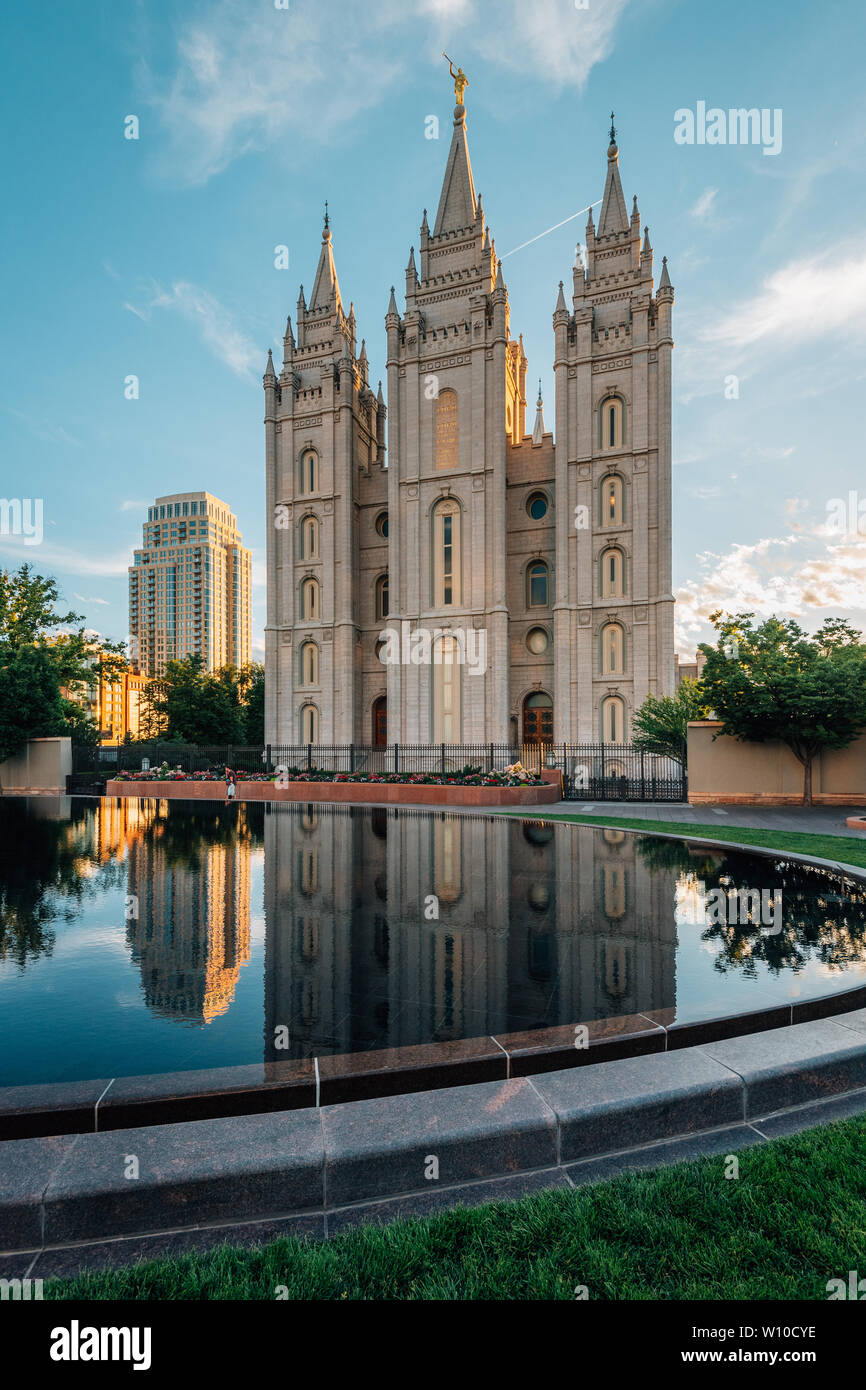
(536, 505)
(382, 524)
(537, 640)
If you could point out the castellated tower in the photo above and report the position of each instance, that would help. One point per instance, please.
(324, 433)
(613, 611)
(525, 580)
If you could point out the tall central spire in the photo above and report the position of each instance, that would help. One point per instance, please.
(326, 287)
(457, 203)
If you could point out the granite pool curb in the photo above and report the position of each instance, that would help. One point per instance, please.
(78, 1201)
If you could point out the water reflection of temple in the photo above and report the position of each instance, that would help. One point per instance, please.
(192, 932)
(536, 927)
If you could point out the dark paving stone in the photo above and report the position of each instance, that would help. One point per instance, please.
(791, 1066)
(63, 1107)
(824, 1112)
(401, 1070)
(378, 1148)
(621, 1104)
(26, 1168)
(443, 1199)
(211, 1170)
(553, 1049)
(69, 1261)
(720, 1141)
(16, 1266)
(213, 1092)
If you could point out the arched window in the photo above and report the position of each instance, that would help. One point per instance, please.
(310, 599)
(447, 724)
(309, 663)
(611, 498)
(612, 579)
(445, 431)
(446, 554)
(612, 720)
(381, 597)
(536, 585)
(309, 724)
(308, 472)
(612, 423)
(612, 650)
(308, 539)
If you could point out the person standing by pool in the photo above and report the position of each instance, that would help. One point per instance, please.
(231, 785)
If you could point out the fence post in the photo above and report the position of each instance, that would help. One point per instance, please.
(442, 747)
(396, 757)
(642, 786)
(309, 757)
(491, 757)
(351, 757)
(268, 757)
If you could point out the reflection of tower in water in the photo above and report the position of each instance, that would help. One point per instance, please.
(392, 928)
(192, 933)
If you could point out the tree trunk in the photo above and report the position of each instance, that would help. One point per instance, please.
(807, 780)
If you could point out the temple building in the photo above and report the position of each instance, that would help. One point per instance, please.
(449, 569)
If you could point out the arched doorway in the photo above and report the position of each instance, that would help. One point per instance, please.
(538, 718)
(380, 722)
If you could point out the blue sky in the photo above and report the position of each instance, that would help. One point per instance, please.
(155, 257)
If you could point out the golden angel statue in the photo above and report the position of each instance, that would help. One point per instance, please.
(461, 81)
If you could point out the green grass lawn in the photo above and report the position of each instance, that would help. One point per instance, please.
(845, 848)
(794, 1218)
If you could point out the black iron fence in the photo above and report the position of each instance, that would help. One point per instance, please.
(590, 771)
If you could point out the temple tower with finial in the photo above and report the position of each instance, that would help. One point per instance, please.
(456, 395)
(613, 609)
(325, 447)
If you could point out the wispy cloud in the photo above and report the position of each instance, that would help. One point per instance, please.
(212, 321)
(82, 599)
(704, 206)
(43, 429)
(245, 77)
(814, 296)
(134, 504)
(48, 557)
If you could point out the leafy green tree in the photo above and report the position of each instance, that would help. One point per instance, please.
(42, 669)
(661, 723)
(774, 682)
(252, 682)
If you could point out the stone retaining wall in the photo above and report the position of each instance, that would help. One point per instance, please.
(377, 793)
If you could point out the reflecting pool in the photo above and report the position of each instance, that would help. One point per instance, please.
(155, 936)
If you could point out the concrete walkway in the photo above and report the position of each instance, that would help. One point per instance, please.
(808, 820)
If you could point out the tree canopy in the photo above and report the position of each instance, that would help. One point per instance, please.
(661, 723)
(193, 705)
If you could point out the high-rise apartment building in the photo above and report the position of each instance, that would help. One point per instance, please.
(189, 587)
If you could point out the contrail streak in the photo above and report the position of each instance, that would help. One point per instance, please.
(551, 229)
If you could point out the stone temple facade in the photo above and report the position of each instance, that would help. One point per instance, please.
(448, 576)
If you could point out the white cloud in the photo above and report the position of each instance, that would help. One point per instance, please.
(804, 576)
(704, 206)
(212, 321)
(81, 598)
(245, 77)
(815, 296)
(133, 505)
(57, 557)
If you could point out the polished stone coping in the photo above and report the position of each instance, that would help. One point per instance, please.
(317, 1172)
(83, 1107)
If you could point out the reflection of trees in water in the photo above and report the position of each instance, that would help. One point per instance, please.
(185, 833)
(823, 914)
(44, 867)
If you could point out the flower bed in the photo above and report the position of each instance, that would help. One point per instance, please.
(514, 776)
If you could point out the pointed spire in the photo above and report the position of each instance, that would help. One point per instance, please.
(301, 302)
(538, 430)
(425, 228)
(590, 225)
(457, 202)
(289, 336)
(270, 374)
(392, 304)
(647, 248)
(665, 280)
(614, 217)
(560, 301)
(362, 356)
(326, 288)
(500, 283)
(379, 395)
(635, 214)
(410, 268)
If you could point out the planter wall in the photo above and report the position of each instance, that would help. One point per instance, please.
(377, 793)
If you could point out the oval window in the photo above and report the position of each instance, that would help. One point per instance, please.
(536, 505)
(537, 640)
(382, 524)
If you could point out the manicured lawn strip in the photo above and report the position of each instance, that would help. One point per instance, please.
(842, 848)
(794, 1218)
